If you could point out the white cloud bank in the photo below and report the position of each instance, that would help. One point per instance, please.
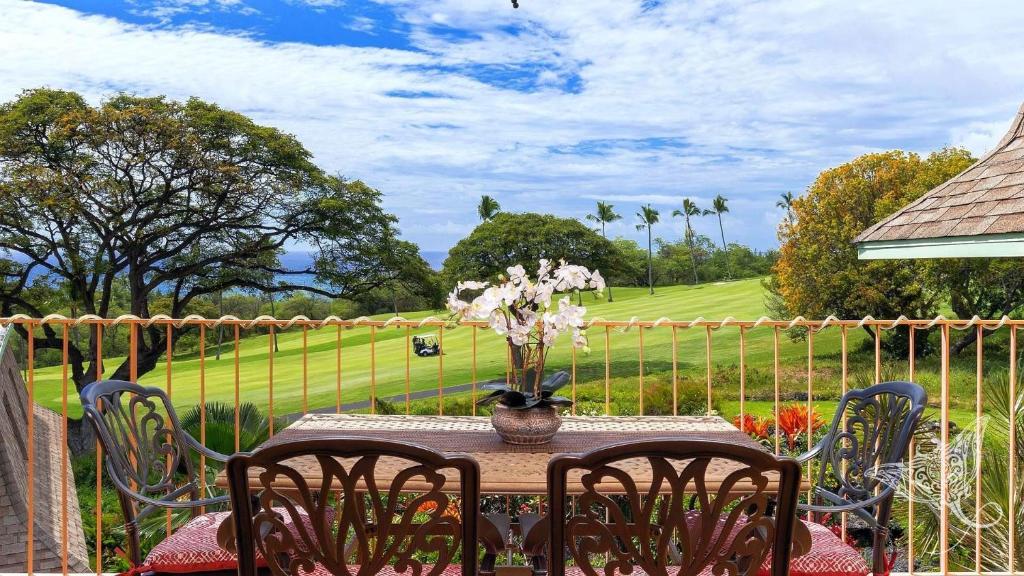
(748, 99)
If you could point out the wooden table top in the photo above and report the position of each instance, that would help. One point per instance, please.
(506, 468)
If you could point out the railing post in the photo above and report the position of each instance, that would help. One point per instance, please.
(943, 465)
(30, 523)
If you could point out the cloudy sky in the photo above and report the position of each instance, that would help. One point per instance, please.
(559, 103)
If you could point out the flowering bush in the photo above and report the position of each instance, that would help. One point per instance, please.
(758, 428)
(793, 422)
(520, 309)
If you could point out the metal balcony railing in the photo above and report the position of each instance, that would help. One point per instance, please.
(665, 352)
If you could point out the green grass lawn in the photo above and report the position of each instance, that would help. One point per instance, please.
(740, 299)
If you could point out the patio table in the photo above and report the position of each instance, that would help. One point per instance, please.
(507, 469)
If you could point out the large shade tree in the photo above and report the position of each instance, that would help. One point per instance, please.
(818, 272)
(512, 238)
(176, 201)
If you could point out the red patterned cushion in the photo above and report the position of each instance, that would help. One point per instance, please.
(828, 556)
(193, 547)
(449, 570)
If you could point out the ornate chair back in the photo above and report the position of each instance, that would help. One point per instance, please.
(146, 451)
(867, 440)
(369, 505)
(861, 456)
(742, 513)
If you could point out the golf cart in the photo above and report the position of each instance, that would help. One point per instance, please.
(426, 346)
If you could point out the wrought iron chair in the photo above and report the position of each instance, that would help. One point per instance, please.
(356, 527)
(870, 435)
(743, 522)
(149, 460)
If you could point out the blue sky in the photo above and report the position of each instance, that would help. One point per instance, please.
(557, 104)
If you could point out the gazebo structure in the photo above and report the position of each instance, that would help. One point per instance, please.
(978, 213)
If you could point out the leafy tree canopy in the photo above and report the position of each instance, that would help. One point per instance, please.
(818, 272)
(176, 199)
(524, 238)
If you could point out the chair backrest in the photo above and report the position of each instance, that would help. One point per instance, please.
(711, 506)
(354, 506)
(146, 450)
(872, 429)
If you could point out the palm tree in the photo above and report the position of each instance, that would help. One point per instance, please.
(488, 208)
(605, 215)
(719, 207)
(690, 210)
(648, 218)
(786, 203)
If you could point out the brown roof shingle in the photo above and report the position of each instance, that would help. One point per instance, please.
(987, 198)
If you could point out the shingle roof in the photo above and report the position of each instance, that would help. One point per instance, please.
(987, 198)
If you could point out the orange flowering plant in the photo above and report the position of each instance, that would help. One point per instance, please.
(793, 421)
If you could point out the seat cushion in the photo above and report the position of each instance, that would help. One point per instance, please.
(194, 548)
(828, 556)
(449, 570)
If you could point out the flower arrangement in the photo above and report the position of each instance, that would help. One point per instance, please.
(520, 309)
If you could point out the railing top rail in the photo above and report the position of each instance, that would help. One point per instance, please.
(434, 321)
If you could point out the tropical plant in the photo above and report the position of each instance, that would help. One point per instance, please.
(994, 486)
(719, 206)
(519, 309)
(253, 426)
(488, 208)
(605, 214)
(648, 218)
(759, 428)
(785, 202)
(690, 210)
(793, 421)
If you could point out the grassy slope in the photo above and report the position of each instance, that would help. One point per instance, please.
(741, 299)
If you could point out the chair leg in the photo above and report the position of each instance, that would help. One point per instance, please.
(487, 564)
(539, 565)
(494, 533)
(879, 566)
(131, 530)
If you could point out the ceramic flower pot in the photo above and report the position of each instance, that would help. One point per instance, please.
(530, 427)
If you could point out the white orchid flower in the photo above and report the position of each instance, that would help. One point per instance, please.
(544, 269)
(516, 273)
(456, 305)
(470, 285)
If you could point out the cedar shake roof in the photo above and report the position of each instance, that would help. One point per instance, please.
(47, 501)
(987, 198)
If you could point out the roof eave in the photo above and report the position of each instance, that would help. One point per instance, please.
(981, 246)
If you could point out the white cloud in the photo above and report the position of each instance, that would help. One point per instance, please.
(745, 99)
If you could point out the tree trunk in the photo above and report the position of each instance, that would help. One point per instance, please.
(725, 248)
(650, 262)
(693, 259)
(220, 329)
(605, 236)
(273, 313)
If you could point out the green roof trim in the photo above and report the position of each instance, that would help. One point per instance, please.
(980, 246)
